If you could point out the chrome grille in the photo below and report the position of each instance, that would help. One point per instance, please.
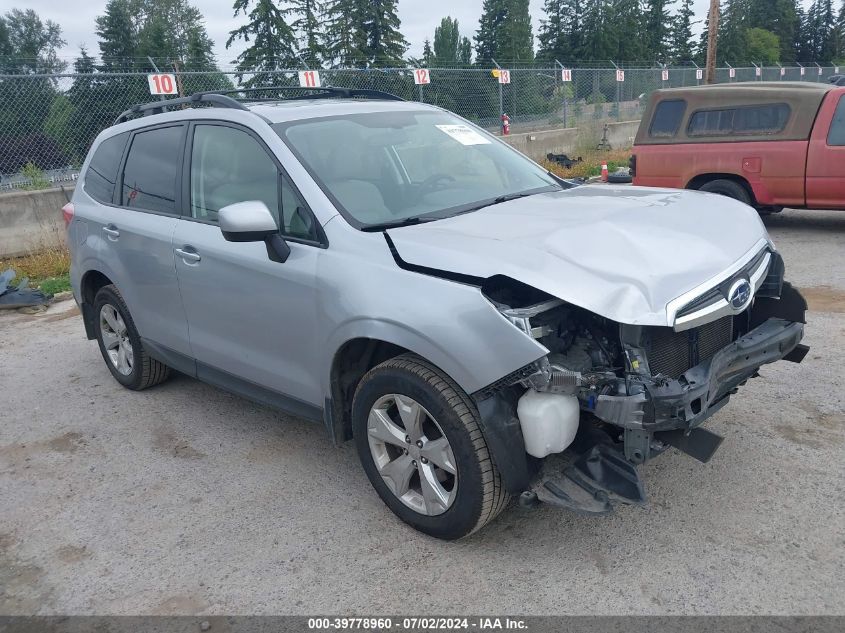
(671, 353)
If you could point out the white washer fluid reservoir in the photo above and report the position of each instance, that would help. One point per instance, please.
(549, 421)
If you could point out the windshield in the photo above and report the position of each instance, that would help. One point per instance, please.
(390, 168)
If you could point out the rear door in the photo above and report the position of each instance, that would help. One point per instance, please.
(135, 234)
(252, 320)
(826, 156)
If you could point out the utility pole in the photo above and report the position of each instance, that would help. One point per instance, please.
(712, 30)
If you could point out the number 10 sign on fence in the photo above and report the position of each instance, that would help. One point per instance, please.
(162, 84)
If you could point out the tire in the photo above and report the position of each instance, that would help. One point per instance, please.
(729, 188)
(476, 495)
(143, 370)
(619, 178)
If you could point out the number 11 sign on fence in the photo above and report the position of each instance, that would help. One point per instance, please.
(309, 79)
(162, 84)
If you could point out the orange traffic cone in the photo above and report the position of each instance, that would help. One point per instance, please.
(604, 172)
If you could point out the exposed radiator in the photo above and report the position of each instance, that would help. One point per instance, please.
(671, 353)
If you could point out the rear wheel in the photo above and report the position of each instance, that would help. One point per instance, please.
(419, 441)
(729, 188)
(120, 343)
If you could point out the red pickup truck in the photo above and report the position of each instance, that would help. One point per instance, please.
(768, 144)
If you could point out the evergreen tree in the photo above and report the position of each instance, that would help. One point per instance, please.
(733, 22)
(657, 30)
(504, 32)
(840, 30)
(118, 38)
(560, 32)
(465, 51)
(344, 42)
(273, 44)
(173, 31)
(385, 45)
(781, 18)
(599, 40)
(447, 39)
(681, 35)
(627, 35)
(307, 26)
(428, 54)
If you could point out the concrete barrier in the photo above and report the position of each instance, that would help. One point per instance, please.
(31, 221)
(569, 140)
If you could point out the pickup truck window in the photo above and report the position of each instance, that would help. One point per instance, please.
(667, 118)
(769, 118)
(836, 134)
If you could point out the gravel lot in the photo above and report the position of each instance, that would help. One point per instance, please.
(184, 499)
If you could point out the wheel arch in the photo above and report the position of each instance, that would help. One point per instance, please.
(89, 286)
(698, 181)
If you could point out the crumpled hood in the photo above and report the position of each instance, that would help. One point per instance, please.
(620, 252)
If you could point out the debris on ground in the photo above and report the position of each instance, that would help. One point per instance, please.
(20, 295)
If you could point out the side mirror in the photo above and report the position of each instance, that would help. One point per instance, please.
(251, 221)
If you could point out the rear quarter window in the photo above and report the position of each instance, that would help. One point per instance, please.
(667, 118)
(768, 118)
(101, 176)
(836, 134)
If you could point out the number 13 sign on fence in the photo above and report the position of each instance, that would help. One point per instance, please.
(422, 76)
(309, 79)
(504, 76)
(162, 84)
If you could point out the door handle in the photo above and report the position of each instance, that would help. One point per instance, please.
(111, 231)
(188, 257)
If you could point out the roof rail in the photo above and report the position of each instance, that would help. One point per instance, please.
(324, 92)
(157, 107)
(220, 98)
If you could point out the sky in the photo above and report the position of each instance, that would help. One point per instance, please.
(419, 18)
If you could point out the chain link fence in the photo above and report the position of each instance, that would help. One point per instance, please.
(47, 122)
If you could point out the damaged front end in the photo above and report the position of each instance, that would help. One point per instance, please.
(571, 428)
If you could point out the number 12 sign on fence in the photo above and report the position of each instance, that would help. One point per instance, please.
(422, 77)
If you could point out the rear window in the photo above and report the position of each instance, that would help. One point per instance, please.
(102, 171)
(667, 118)
(759, 119)
(836, 135)
(149, 178)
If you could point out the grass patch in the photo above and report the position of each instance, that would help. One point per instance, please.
(48, 269)
(592, 163)
(55, 285)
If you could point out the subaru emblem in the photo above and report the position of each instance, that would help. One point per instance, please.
(740, 294)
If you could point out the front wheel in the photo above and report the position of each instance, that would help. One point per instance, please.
(419, 441)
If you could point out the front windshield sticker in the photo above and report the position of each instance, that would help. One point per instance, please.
(464, 134)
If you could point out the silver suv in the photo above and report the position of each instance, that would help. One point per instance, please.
(481, 328)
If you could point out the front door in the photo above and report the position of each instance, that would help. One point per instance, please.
(826, 157)
(252, 320)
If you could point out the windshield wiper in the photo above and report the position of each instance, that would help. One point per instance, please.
(505, 198)
(399, 223)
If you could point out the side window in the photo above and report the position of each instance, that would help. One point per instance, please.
(149, 177)
(762, 119)
(102, 170)
(229, 166)
(667, 118)
(836, 135)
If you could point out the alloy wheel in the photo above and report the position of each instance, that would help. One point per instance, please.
(115, 337)
(412, 454)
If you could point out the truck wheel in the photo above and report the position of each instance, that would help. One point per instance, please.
(420, 443)
(120, 343)
(729, 188)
